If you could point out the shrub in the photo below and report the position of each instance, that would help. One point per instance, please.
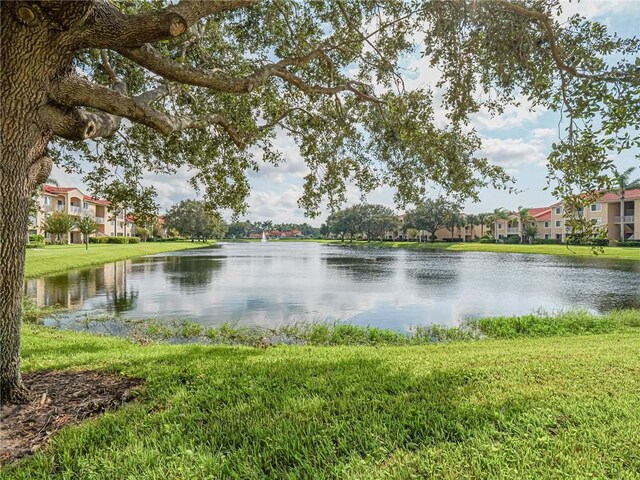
(630, 243)
(134, 239)
(512, 239)
(118, 240)
(36, 238)
(98, 239)
(486, 240)
(546, 241)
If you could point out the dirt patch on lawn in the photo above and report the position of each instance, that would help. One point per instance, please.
(58, 399)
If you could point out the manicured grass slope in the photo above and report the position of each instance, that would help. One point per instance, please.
(54, 259)
(625, 253)
(558, 407)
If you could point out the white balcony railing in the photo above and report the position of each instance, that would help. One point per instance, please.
(75, 210)
(513, 231)
(60, 208)
(100, 220)
(627, 219)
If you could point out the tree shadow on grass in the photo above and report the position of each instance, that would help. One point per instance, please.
(250, 413)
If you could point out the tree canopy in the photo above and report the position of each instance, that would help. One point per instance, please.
(127, 88)
(192, 219)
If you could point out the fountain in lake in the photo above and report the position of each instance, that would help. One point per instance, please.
(264, 237)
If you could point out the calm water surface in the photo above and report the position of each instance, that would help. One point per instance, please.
(270, 284)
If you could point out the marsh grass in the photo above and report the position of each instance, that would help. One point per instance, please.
(540, 324)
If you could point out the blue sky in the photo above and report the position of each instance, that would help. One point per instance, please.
(519, 141)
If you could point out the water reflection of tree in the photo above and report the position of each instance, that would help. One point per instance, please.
(119, 298)
(122, 301)
(367, 269)
(191, 271)
(606, 302)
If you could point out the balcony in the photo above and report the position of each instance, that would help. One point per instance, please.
(75, 210)
(60, 208)
(513, 231)
(627, 219)
(100, 220)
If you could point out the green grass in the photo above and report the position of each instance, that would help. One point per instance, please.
(554, 407)
(59, 258)
(622, 253)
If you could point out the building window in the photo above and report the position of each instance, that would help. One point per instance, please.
(596, 207)
(580, 209)
(558, 223)
(547, 236)
(558, 210)
(47, 201)
(547, 224)
(499, 226)
(596, 221)
(85, 205)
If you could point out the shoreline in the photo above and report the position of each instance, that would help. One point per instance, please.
(61, 258)
(610, 253)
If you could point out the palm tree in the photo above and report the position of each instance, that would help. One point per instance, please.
(531, 230)
(523, 218)
(472, 220)
(498, 214)
(482, 219)
(623, 183)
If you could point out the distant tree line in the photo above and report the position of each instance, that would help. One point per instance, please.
(421, 223)
(245, 228)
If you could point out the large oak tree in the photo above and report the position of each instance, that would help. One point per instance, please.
(129, 87)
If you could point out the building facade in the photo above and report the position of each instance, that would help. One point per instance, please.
(72, 201)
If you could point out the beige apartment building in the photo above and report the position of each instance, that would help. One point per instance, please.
(620, 216)
(74, 202)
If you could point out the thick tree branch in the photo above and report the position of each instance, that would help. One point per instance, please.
(75, 91)
(218, 81)
(77, 124)
(39, 171)
(556, 52)
(109, 27)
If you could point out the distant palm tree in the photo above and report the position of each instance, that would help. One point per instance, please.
(523, 219)
(623, 182)
(482, 218)
(531, 231)
(498, 214)
(472, 220)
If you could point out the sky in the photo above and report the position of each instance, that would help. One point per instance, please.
(519, 141)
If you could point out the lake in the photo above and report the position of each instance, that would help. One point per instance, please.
(277, 283)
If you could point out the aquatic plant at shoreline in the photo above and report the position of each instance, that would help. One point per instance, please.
(538, 324)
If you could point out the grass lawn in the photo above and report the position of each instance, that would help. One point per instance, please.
(622, 253)
(52, 259)
(554, 407)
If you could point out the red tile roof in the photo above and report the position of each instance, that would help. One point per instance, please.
(95, 200)
(628, 195)
(53, 189)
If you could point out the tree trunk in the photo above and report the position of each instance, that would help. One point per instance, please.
(33, 53)
(15, 214)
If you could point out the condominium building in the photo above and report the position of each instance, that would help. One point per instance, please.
(72, 201)
(620, 214)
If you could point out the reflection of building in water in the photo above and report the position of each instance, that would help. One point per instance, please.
(72, 289)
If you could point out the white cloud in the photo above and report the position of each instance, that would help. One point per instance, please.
(512, 153)
(513, 116)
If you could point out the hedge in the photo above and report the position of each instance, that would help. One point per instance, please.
(116, 240)
(630, 243)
